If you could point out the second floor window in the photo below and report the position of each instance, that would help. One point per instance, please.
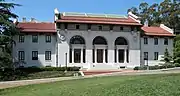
(145, 40)
(100, 28)
(156, 55)
(21, 55)
(77, 26)
(47, 55)
(34, 38)
(48, 38)
(155, 41)
(165, 41)
(21, 38)
(34, 55)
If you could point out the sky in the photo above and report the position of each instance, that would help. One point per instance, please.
(43, 10)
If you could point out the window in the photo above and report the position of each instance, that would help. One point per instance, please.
(100, 28)
(48, 55)
(111, 27)
(145, 55)
(65, 26)
(48, 38)
(89, 26)
(77, 26)
(155, 41)
(132, 28)
(34, 55)
(34, 38)
(145, 40)
(21, 38)
(121, 28)
(165, 41)
(156, 55)
(21, 55)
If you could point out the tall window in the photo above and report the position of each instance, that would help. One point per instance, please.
(145, 55)
(77, 26)
(65, 26)
(34, 38)
(100, 28)
(21, 38)
(155, 41)
(48, 38)
(89, 26)
(132, 28)
(21, 55)
(165, 41)
(121, 28)
(111, 27)
(34, 55)
(156, 55)
(145, 40)
(47, 55)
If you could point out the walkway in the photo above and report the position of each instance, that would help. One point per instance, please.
(9, 84)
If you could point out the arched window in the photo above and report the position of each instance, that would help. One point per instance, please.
(77, 50)
(100, 50)
(121, 50)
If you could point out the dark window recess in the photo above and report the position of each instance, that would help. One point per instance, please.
(21, 38)
(111, 27)
(48, 38)
(115, 56)
(100, 28)
(47, 55)
(145, 55)
(132, 28)
(21, 55)
(34, 38)
(65, 26)
(70, 56)
(84, 55)
(34, 55)
(121, 28)
(93, 54)
(106, 55)
(165, 41)
(145, 40)
(156, 55)
(89, 26)
(155, 41)
(77, 26)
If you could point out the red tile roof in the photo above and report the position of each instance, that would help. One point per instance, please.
(156, 31)
(37, 27)
(98, 20)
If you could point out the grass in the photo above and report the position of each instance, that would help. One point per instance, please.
(147, 85)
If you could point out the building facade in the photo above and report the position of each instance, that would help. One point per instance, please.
(92, 41)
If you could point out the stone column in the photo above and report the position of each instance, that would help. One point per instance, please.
(117, 56)
(104, 56)
(81, 55)
(72, 55)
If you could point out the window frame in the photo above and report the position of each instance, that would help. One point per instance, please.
(34, 55)
(100, 27)
(47, 55)
(121, 28)
(89, 26)
(21, 38)
(145, 40)
(33, 37)
(145, 55)
(48, 38)
(156, 55)
(77, 27)
(166, 41)
(156, 41)
(111, 27)
(21, 55)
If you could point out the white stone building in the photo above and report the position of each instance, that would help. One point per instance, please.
(91, 41)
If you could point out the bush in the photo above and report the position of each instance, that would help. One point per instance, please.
(155, 67)
(177, 65)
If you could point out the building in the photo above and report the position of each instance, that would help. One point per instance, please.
(92, 41)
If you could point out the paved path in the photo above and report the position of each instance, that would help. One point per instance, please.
(9, 84)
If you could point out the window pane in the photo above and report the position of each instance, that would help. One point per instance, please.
(48, 38)
(21, 38)
(145, 55)
(34, 55)
(34, 38)
(145, 40)
(155, 41)
(77, 55)
(21, 55)
(48, 55)
(84, 55)
(165, 41)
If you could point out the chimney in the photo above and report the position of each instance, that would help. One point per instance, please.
(146, 23)
(23, 19)
(33, 20)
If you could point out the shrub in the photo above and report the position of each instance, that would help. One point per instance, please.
(177, 65)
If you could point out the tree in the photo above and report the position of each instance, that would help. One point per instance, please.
(7, 30)
(167, 58)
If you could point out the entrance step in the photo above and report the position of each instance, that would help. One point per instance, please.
(103, 67)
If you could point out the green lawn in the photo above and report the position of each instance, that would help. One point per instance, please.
(149, 85)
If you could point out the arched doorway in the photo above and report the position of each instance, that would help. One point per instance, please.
(99, 50)
(121, 50)
(77, 49)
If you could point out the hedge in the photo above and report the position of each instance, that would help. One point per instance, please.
(156, 67)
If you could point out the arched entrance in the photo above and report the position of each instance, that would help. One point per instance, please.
(77, 49)
(121, 50)
(99, 50)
